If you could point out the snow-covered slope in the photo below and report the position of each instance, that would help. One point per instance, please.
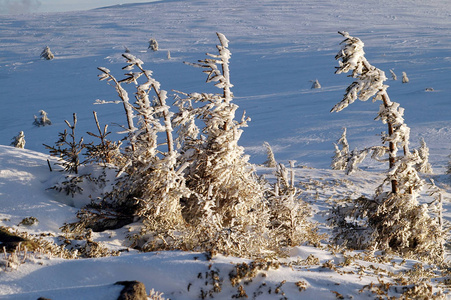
(324, 272)
(278, 48)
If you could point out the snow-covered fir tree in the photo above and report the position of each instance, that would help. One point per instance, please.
(405, 79)
(47, 53)
(288, 212)
(316, 84)
(153, 45)
(394, 219)
(19, 140)
(43, 120)
(270, 159)
(150, 181)
(393, 75)
(224, 185)
(341, 156)
(424, 166)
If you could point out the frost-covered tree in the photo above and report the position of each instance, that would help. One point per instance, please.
(151, 180)
(153, 45)
(405, 79)
(316, 84)
(288, 212)
(270, 159)
(43, 120)
(424, 166)
(223, 182)
(47, 54)
(393, 75)
(19, 140)
(198, 191)
(395, 221)
(341, 156)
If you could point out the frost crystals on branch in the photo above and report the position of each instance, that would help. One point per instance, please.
(106, 152)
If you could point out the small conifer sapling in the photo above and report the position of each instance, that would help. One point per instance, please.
(67, 149)
(270, 159)
(395, 219)
(153, 45)
(341, 156)
(405, 79)
(393, 75)
(224, 185)
(316, 84)
(19, 140)
(43, 120)
(424, 166)
(47, 54)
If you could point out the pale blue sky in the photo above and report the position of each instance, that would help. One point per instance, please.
(35, 6)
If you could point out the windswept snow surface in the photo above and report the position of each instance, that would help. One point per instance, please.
(14, 7)
(278, 47)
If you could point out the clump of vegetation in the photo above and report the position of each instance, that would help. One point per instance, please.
(10, 240)
(288, 212)
(19, 140)
(47, 53)
(43, 120)
(153, 45)
(29, 221)
(196, 192)
(270, 159)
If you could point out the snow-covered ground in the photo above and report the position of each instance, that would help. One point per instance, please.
(14, 7)
(278, 48)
